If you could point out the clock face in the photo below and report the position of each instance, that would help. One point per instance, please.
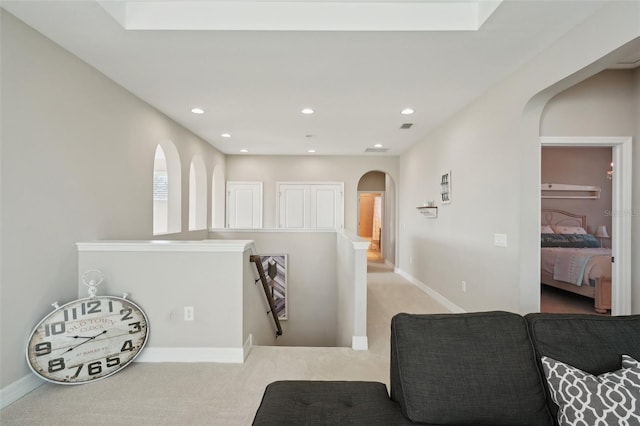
(87, 339)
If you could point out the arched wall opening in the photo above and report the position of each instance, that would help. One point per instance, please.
(167, 189)
(197, 194)
(376, 214)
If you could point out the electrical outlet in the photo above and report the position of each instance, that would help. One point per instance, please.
(464, 286)
(188, 313)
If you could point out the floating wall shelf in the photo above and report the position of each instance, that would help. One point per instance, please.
(428, 211)
(579, 192)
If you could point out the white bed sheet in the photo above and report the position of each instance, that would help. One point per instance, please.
(599, 266)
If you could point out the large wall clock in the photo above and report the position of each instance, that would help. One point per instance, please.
(87, 339)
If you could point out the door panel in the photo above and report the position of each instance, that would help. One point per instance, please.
(324, 205)
(311, 206)
(244, 204)
(294, 206)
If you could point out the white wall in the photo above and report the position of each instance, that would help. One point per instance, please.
(351, 278)
(164, 277)
(492, 148)
(77, 160)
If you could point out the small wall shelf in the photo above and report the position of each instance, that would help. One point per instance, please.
(579, 192)
(428, 211)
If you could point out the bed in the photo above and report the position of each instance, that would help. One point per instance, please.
(572, 260)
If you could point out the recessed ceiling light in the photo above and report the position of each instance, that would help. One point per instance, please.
(307, 111)
(311, 151)
(244, 150)
(407, 111)
(226, 135)
(197, 110)
(378, 145)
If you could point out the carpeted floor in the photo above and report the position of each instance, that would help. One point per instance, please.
(222, 394)
(554, 300)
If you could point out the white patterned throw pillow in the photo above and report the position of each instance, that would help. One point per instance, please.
(588, 400)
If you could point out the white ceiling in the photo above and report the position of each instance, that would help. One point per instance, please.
(253, 84)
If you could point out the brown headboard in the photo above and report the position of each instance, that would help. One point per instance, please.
(560, 217)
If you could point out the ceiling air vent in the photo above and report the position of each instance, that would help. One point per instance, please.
(376, 150)
(406, 125)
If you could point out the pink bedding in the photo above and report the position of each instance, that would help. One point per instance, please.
(568, 264)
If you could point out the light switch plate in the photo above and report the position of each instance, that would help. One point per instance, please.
(500, 240)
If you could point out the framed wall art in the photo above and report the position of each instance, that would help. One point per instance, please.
(275, 268)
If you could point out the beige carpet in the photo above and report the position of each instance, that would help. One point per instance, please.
(554, 300)
(222, 394)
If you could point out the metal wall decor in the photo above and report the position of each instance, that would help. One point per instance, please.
(445, 187)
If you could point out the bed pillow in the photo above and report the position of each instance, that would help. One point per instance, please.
(546, 229)
(559, 229)
(569, 240)
(582, 398)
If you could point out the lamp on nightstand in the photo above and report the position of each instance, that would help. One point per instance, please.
(601, 233)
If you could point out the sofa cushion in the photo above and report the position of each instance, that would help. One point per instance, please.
(327, 403)
(476, 368)
(609, 399)
(591, 343)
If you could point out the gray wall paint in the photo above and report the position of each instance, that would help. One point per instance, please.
(372, 181)
(601, 105)
(390, 228)
(311, 281)
(635, 222)
(255, 305)
(77, 161)
(80, 148)
(163, 283)
(492, 148)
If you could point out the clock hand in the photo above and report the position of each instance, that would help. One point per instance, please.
(81, 337)
(88, 340)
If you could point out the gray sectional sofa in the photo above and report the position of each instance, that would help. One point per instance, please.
(465, 369)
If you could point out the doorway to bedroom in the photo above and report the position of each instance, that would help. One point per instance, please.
(576, 191)
(584, 194)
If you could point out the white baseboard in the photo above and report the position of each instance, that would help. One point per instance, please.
(360, 343)
(222, 355)
(431, 292)
(18, 389)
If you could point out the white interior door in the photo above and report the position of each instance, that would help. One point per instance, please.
(310, 205)
(326, 206)
(294, 206)
(244, 204)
